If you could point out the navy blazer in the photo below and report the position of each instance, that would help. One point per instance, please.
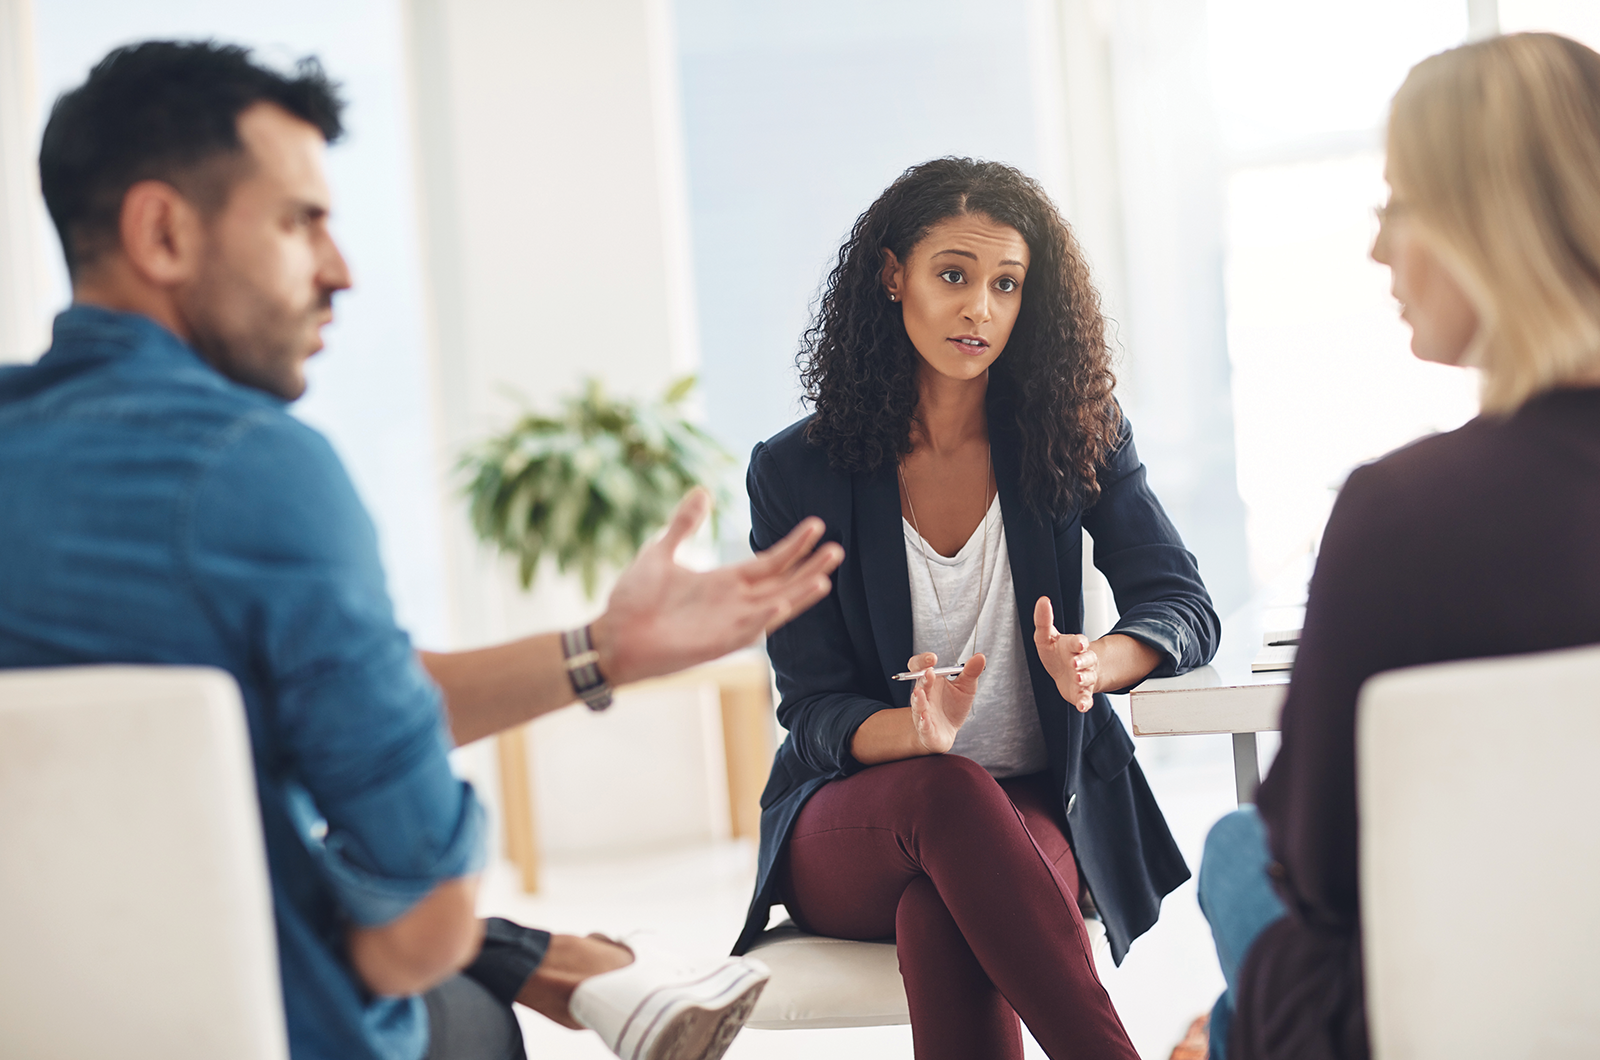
(833, 663)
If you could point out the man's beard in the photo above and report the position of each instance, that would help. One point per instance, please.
(252, 340)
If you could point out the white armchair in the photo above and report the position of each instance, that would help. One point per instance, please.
(1480, 857)
(135, 912)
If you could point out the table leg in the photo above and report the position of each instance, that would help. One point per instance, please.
(1246, 767)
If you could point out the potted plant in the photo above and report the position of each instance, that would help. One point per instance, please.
(589, 485)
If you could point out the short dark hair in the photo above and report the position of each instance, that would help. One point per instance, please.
(162, 110)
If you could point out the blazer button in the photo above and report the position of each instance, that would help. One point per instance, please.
(1072, 800)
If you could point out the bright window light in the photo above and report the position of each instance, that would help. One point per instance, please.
(1291, 73)
(1578, 19)
(1323, 378)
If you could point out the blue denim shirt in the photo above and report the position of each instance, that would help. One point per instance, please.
(155, 512)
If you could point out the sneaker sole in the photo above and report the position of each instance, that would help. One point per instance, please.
(700, 1027)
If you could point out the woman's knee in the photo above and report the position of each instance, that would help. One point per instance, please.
(1234, 889)
(1235, 846)
(921, 907)
(948, 780)
(1238, 834)
(1234, 881)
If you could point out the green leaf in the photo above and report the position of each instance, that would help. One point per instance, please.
(679, 390)
(590, 486)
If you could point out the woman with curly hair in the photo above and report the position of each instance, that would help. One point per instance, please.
(964, 437)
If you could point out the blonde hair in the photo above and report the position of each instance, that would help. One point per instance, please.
(1494, 149)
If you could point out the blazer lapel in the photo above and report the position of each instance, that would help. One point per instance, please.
(881, 555)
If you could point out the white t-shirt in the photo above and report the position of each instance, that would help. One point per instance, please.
(1003, 734)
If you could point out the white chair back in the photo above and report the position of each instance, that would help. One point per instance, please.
(1479, 786)
(135, 915)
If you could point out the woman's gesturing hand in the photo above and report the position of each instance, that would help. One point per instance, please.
(1082, 666)
(940, 706)
(1067, 657)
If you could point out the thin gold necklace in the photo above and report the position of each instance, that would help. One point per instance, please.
(983, 556)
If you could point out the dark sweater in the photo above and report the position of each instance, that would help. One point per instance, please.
(1483, 541)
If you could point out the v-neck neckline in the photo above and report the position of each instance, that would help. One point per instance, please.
(963, 554)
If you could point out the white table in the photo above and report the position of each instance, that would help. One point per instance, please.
(1209, 700)
(1226, 696)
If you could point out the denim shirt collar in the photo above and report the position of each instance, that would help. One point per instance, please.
(82, 330)
(83, 333)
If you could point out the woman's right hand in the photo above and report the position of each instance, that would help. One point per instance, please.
(939, 705)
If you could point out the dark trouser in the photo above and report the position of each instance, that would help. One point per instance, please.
(469, 1015)
(975, 881)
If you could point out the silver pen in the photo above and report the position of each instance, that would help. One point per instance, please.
(938, 671)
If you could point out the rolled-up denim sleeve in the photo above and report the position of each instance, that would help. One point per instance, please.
(285, 559)
(370, 895)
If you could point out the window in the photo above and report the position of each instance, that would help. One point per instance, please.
(1323, 378)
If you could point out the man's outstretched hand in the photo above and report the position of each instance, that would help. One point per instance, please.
(662, 617)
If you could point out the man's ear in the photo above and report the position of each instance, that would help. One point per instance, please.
(162, 233)
(893, 275)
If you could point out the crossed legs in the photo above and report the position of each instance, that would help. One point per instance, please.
(977, 884)
(470, 1015)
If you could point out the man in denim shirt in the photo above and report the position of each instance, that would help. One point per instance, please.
(163, 507)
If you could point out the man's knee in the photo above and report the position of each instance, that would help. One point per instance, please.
(466, 1022)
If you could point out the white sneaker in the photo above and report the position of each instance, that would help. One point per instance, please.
(647, 1011)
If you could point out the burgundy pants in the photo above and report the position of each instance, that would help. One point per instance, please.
(975, 881)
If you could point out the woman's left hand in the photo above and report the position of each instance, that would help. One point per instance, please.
(1068, 657)
(1082, 666)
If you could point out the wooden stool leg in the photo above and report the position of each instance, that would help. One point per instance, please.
(516, 804)
(747, 743)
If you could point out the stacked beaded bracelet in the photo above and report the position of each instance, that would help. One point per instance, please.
(583, 668)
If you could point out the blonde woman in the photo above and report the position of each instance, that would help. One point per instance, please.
(1474, 543)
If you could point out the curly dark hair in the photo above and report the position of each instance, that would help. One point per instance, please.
(1054, 380)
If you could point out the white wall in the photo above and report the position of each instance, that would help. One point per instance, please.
(1072, 61)
(1578, 19)
(556, 232)
(647, 774)
(796, 118)
(557, 246)
(24, 318)
(1176, 378)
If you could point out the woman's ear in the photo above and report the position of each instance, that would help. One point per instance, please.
(893, 275)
